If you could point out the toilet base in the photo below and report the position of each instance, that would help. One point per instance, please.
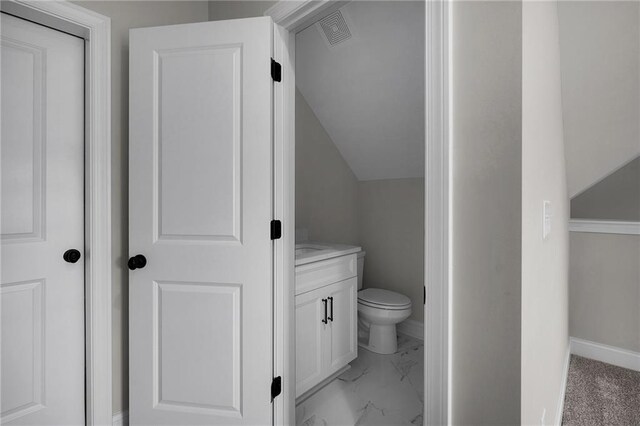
(380, 339)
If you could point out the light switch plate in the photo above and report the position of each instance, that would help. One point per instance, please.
(546, 219)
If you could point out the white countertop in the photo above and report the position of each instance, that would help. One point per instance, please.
(311, 251)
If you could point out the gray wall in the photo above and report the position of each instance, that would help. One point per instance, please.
(545, 262)
(617, 197)
(600, 56)
(235, 9)
(326, 188)
(126, 15)
(392, 233)
(486, 212)
(605, 289)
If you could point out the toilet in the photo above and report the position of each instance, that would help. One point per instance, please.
(379, 311)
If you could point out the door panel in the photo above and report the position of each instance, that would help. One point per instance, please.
(189, 211)
(42, 215)
(310, 336)
(200, 207)
(344, 345)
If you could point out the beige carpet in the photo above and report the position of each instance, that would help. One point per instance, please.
(601, 394)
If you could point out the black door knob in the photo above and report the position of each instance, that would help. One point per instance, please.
(71, 256)
(137, 262)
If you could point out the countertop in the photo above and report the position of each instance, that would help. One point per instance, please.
(311, 251)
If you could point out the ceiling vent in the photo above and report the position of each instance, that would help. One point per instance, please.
(335, 28)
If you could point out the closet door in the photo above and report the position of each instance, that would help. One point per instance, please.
(200, 197)
(343, 319)
(42, 375)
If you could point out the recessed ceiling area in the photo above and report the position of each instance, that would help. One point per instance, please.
(367, 90)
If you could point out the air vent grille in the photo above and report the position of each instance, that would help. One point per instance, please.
(335, 28)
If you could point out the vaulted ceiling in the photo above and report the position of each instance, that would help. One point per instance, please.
(368, 91)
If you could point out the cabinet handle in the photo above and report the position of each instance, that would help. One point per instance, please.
(324, 302)
(331, 317)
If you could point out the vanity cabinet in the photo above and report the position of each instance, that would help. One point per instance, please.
(326, 332)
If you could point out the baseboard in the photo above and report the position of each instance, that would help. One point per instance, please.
(411, 328)
(610, 354)
(563, 388)
(121, 418)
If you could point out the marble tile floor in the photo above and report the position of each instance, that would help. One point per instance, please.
(377, 390)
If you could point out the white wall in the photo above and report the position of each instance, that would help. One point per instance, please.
(545, 338)
(391, 221)
(126, 15)
(486, 212)
(600, 56)
(604, 296)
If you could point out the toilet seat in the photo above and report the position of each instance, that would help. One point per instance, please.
(383, 299)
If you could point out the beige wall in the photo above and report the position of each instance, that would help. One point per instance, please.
(392, 233)
(125, 15)
(615, 198)
(326, 188)
(235, 9)
(545, 262)
(604, 297)
(600, 56)
(486, 212)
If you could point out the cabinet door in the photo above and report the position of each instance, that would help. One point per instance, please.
(310, 332)
(343, 346)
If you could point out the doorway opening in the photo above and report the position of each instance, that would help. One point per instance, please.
(295, 18)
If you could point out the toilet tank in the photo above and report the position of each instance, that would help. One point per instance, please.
(360, 268)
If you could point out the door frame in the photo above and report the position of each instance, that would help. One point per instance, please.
(291, 17)
(95, 29)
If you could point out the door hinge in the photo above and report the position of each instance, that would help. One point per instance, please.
(276, 71)
(276, 387)
(276, 229)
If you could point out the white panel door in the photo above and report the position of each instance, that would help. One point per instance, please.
(200, 198)
(311, 326)
(343, 317)
(42, 216)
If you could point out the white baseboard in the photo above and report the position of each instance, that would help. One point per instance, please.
(411, 328)
(610, 354)
(121, 418)
(563, 388)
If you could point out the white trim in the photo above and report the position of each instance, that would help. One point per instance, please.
(411, 328)
(610, 354)
(295, 15)
(563, 388)
(284, 209)
(121, 418)
(437, 310)
(604, 226)
(96, 29)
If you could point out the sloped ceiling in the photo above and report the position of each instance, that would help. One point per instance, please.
(368, 91)
(599, 55)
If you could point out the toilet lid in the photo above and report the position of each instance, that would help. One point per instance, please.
(380, 297)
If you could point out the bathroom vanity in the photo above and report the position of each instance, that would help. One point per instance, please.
(326, 312)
